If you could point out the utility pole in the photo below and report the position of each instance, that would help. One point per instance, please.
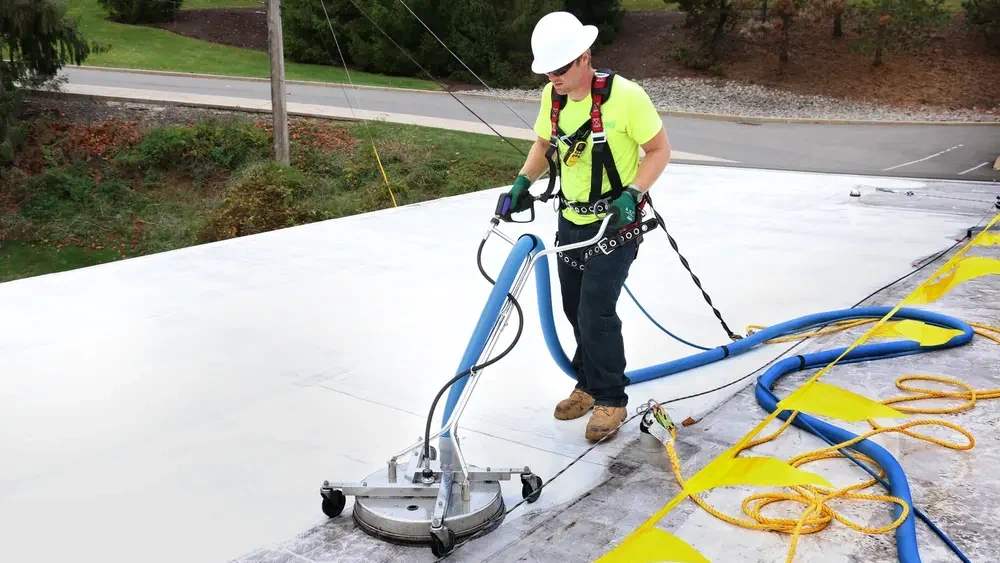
(276, 48)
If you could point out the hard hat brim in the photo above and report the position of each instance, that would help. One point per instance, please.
(570, 54)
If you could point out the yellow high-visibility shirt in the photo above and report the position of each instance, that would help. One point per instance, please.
(630, 120)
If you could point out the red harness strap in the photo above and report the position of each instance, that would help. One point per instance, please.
(596, 123)
(603, 161)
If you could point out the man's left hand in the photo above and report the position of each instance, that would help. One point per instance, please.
(626, 206)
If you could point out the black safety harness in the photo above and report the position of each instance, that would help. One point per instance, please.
(602, 162)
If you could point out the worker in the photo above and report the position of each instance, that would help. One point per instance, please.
(591, 286)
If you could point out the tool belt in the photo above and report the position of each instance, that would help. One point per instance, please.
(598, 208)
(578, 258)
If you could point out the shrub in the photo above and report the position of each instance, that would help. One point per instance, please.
(710, 23)
(492, 37)
(984, 15)
(68, 202)
(605, 14)
(141, 11)
(262, 198)
(895, 25)
(201, 149)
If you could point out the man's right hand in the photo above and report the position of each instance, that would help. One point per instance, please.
(520, 198)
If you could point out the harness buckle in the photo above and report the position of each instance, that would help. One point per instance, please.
(603, 246)
(601, 137)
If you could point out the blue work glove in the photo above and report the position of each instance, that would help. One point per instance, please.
(626, 208)
(520, 199)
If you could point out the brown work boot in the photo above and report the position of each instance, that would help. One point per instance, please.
(574, 406)
(605, 422)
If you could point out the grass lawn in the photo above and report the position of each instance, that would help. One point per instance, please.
(139, 47)
(86, 191)
(637, 5)
(21, 260)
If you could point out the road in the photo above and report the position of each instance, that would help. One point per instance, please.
(956, 152)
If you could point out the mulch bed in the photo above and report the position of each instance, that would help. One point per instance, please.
(238, 27)
(645, 45)
(955, 71)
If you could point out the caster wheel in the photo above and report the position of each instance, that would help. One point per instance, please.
(440, 547)
(333, 503)
(531, 487)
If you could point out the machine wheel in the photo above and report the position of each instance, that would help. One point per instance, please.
(333, 503)
(531, 487)
(440, 547)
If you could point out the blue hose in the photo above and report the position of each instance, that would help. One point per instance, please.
(529, 245)
(491, 313)
(658, 325)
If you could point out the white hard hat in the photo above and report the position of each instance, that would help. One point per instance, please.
(558, 39)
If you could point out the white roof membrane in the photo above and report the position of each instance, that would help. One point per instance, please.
(186, 406)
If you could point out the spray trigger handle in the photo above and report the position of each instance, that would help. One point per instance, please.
(503, 210)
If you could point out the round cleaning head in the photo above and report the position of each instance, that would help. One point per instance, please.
(408, 520)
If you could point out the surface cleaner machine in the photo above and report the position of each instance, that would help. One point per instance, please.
(433, 495)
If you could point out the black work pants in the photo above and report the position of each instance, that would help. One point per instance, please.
(590, 299)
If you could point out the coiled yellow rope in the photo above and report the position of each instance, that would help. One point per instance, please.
(816, 499)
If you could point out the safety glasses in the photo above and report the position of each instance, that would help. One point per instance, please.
(563, 70)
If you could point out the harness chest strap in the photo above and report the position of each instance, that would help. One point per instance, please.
(602, 158)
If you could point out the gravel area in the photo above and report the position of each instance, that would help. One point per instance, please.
(153, 115)
(749, 100)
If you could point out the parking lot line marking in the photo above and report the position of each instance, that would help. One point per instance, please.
(921, 159)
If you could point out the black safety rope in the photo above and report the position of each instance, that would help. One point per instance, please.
(697, 281)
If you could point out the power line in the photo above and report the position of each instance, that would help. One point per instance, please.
(443, 87)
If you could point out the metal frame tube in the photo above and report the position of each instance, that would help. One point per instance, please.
(491, 343)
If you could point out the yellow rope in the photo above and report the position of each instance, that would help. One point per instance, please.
(836, 327)
(984, 331)
(816, 499)
(384, 177)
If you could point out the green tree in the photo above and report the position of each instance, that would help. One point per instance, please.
(710, 23)
(605, 14)
(790, 12)
(308, 38)
(38, 40)
(896, 25)
(985, 16)
(492, 37)
(141, 11)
